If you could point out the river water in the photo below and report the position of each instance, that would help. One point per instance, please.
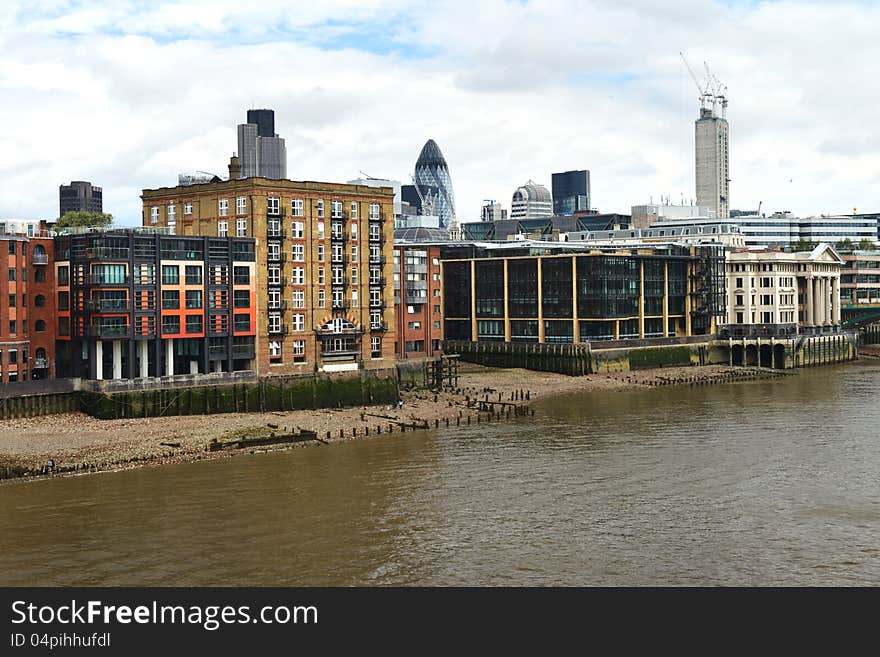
(759, 483)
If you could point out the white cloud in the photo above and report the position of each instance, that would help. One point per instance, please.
(128, 94)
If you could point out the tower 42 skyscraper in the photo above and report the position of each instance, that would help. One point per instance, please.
(432, 173)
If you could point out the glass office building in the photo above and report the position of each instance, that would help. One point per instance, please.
(432, 180)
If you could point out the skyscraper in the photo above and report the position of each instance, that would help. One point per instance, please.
(712, 162)
(433, 172)
(80, 196)
(571, 192)
(262, 152)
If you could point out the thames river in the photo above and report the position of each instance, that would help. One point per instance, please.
(760, 483)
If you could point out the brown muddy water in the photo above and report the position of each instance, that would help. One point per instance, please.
(762, 483)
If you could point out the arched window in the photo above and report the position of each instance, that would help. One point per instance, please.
(40, 326)
(39, 250)
(41, 353)
(40, 301)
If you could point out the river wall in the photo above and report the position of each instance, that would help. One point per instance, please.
(198, 395)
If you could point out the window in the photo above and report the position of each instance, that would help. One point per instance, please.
(375, 345)
(241, 275)
(739, 299)
(374, 276)
(193, 275)
(354, 231)
(299, 347)
(193, 323)
(336, 252)
(193, 299)
(739, 318)
(320, 207)
(273, 251)
(374, 212)
(242, 298)
(275, 299)
(354, 298)
(274, 275)
(64, 301)
(436, 310)
(322, 299)
(299, 322)
(242, 322)
(336, 209)
(375, 297)
(354, 276)
(274, 323)
(320, 253)
(154, 215)
(436, 324)
(299, 253)
(299, 299)
(274, 349)
(296, 207)
(241, 227)
(273, 205)
(321, 280)
(170, 275)
(297, 229)
(11, 274)
(40, 276)
(170, 299)
(354, 210)
(375, 319)
(222, 228)
(13, 356)
(299, 276)
(223, 209)
(188, 207)
(374, 232)
(171, 212)
(40, 326)
(337, 275)
(170, 324)
(12, 299)
(240, 205)
(414, 326)
(320, 230)
(11, 247)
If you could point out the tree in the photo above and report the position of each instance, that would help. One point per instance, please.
(844, 245)
(84, 219)
(867, 245)
(803, 245)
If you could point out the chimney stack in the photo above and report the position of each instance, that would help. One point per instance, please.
(234, 167)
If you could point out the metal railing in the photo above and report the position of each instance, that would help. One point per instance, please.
(40, 258)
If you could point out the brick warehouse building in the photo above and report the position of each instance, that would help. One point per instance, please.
(133, 302)
(324, 263)
(418, 302)
(27, 308)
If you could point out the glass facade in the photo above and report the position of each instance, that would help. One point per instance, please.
(432, 179)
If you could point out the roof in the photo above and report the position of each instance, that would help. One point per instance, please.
(533, 191)
(421, 234)
(431, 155)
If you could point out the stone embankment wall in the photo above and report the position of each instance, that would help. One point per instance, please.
(276, 393)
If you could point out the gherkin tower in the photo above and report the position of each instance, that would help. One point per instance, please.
(432, 179)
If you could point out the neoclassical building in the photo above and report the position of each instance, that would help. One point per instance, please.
(777, 293)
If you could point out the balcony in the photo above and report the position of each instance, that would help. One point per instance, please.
(282, 330)
(276, 305)
(378, 282)
(339, 261)
(279, 257)
(377, 305)
(338, 237)
(109, 281)
(377, 260)
(108, 331)
(340, 305)
(379, 327)
(40, 259)
(107, 253)
(276, 234)
(242, 351)
(377, 216)
(41, 363)
(108, 305)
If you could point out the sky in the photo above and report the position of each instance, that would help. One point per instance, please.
(128, 94)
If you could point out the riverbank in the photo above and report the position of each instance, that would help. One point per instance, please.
(79, 444)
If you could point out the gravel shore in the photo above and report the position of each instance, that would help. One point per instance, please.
(79, 443)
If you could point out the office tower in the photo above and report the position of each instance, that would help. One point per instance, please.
(433, 184)
(263, 153)
(531, 201)
(571, 192)
(80, 196)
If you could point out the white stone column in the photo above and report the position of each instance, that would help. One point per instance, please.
(117, 359)
(99, 360)
(829, 305)
(837, 309)
(169, 357)
(218, 365)
(817, 302)
(808, 302)
(193, 367)
(144, 358)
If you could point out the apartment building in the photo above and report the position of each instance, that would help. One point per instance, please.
(139, 302)
(323, 259)
(417, 300)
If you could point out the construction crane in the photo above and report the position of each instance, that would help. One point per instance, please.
(718, 90)
(705, 95)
